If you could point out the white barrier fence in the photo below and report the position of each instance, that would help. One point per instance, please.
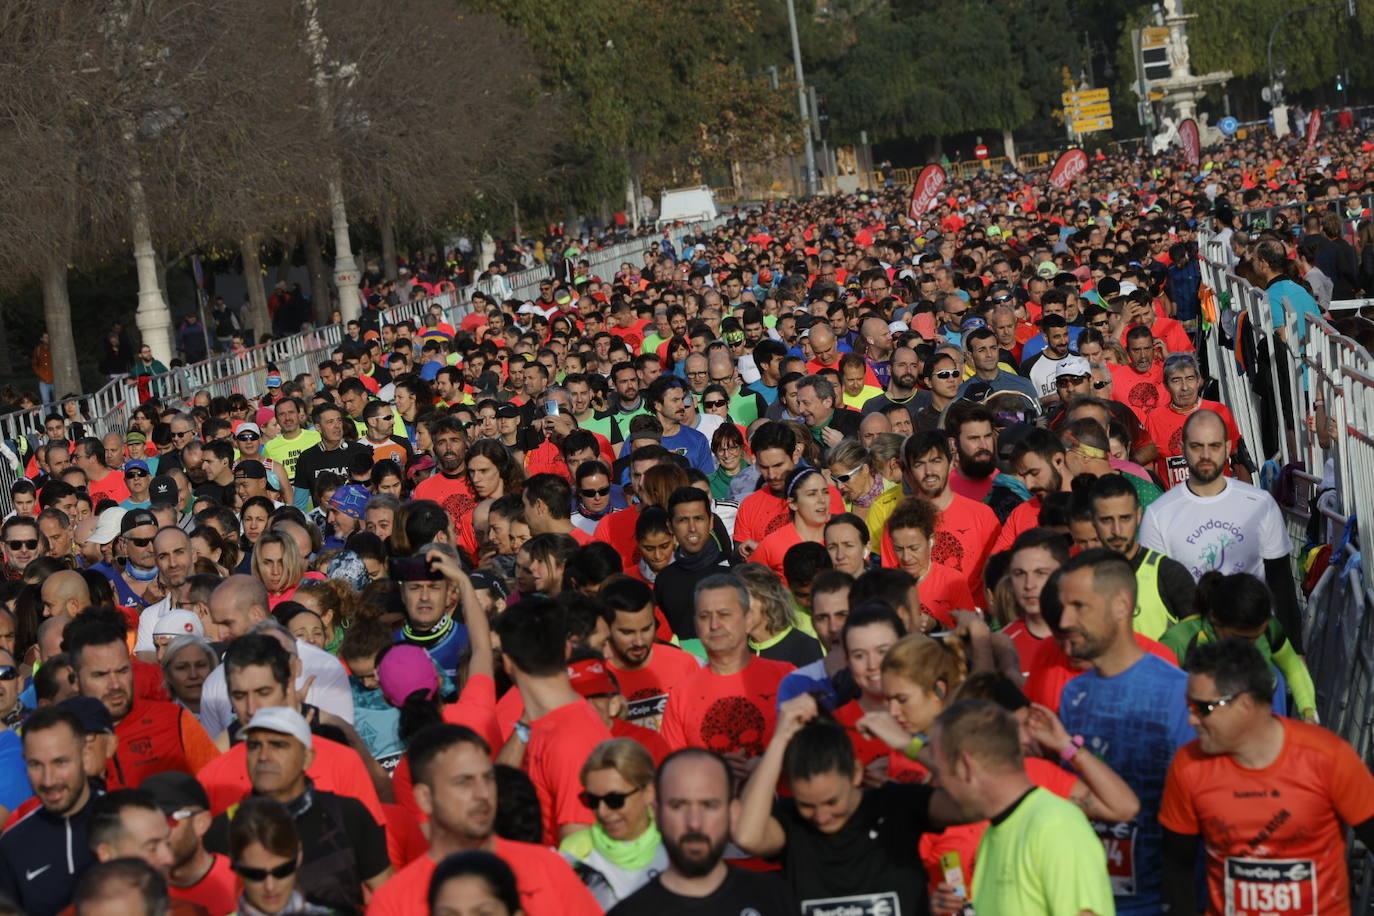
(1280, 388)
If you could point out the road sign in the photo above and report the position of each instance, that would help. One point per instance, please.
(1089, 111)
(1154, 37)
(1088, 125)
(1228, 125)
(1154, 54)
(1086, 97)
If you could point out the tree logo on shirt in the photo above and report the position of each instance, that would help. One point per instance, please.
(1144, 396)
(459, 506)
(779, 520)
(734, 724)
(1176, 442)
(947, 551)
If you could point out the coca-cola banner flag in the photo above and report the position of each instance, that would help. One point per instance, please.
(927, 190)
(1071, 164)
(1192, 142)
(1314, 126)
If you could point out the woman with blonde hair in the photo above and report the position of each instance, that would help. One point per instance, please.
(623, 850)
(278, 565)
(773, 631)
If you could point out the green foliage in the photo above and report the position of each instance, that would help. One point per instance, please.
(1234, 34)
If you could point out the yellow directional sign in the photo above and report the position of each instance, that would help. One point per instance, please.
(1154, 37)
(1089, 125)
(1086, 97)
(1083, 112)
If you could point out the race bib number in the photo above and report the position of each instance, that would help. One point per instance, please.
(1118, 841)
(647, 712)
(1178, 470)
(1271, 887)
(885, 903)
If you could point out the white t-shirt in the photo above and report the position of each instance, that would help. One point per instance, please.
(1232, 532)
(1043, 374)
(329, 692)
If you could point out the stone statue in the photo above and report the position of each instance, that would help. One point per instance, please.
(1167, 136)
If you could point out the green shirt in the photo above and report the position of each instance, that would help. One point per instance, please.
(1042, 858)
(744, 407)
(1274, 646)
(651, 343)
(287, 452)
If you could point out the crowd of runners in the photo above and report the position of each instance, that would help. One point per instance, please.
(839, 560)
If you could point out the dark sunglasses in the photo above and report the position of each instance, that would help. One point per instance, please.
(386, 419)
(8, 672)
(998, 300)
(248, 437)
(138, 542)
(593, 494)
(1204, 708)
(614, 800)
(23, 545)
(248, 873)
(135, 475)
(945, 374)
(177, 435)
(712, 405)
(1099, 384)
(1064, 381)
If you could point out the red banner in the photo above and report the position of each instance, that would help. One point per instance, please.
(1071, 164)
(1192, 142)
(927, 190)
(1314, 126)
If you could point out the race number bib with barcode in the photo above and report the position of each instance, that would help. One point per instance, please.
(1271, 887)
(1118, 842)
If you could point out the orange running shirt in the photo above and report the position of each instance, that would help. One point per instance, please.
(1165, 428)
(559, 744)
(1274, 837)
(456, 496)
(761, 513)
(726, 713)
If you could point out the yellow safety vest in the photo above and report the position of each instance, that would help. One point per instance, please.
(1152, 616)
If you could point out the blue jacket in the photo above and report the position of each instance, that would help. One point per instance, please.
(41, 857)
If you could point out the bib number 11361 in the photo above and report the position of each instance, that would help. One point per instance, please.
(1271, 887)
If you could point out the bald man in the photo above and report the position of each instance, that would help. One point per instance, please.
(872, 426)
(235, 606)
(824, 347)
(65, 594)
(89, 552)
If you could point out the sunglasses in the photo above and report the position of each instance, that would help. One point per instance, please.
(712, 405)
(135, 475)
(386, 419)
(1099, 384)
(177, 435)
(593, 494)
(998, 300)
(256, 875)
(8, 672)
(945, 374)
(614, 800)
(181, 814)
(248, 437)
(23, 545)
(1066, 380)
(847, 476)
(139, 542)
(1204, 708)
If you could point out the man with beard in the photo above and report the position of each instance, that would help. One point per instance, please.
(42, 854)
(1216, 522)
(629, 404)
(974, 437)
(172, 552)
(695, 807)
(901, 386)
(1038, 459)
(966, 528)
(1130, 708)
(1165, 591)
(154, 735)
(450, 487)
(1042, 368)
(455, 787)
(1139, 384)
(645, 668)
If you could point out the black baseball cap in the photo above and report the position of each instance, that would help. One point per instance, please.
(163, 485)
(139, 517)
(174, 791)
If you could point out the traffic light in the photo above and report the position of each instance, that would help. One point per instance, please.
(1340, 83)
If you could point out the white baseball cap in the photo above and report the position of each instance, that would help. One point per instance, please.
(281, 719)
(107, 528)
(1073, 365)
(178, 622)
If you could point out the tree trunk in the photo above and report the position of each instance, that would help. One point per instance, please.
(288, 251)
(258, 317)
(1009, 146)
(386, 224)
(321, 299)
(57, 311)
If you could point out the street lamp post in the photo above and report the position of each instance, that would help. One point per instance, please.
(801, 100)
